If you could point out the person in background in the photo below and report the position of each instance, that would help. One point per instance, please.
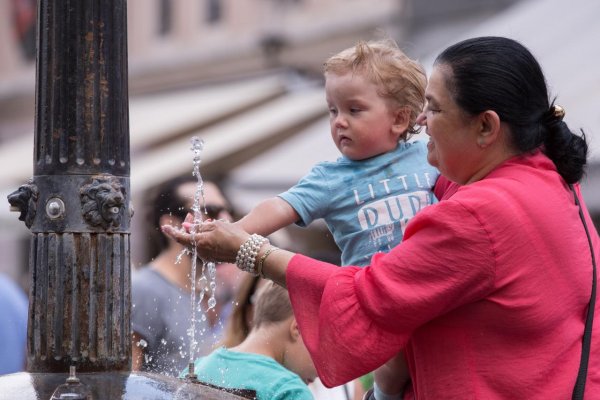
(491, 291)
(238, 324)
(161, 309)
(272, 360)
(13, 326)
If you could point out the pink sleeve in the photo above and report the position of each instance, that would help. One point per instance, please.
(355, 319)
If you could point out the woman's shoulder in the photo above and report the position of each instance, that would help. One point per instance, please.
(504, 194)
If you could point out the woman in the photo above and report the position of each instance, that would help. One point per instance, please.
(488, 292)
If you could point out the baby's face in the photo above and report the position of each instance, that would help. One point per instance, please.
(363, 123)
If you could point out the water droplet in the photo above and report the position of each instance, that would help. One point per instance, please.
(212, 302)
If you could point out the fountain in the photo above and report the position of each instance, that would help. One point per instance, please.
(208, 268)
(77, 208)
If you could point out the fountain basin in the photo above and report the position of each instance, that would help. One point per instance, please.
(111, 385)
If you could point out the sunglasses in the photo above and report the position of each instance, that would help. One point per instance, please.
(213, 211)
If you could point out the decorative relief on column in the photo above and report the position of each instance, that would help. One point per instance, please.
(102, 202)
(24, 200)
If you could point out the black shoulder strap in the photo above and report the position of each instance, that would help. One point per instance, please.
(579, 389)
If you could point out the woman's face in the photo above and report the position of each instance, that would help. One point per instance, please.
(452, 146)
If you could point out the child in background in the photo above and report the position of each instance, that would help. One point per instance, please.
(374, 93)
(272, 360)
(239, 322)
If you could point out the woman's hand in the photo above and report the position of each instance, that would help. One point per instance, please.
(220, 241)
(216, 241)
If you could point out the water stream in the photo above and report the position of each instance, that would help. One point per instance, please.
(207, 279)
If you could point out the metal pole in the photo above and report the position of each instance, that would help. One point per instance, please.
(77, 203)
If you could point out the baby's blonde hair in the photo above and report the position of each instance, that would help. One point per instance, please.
(397, 77)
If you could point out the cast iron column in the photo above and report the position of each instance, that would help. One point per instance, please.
(77, 203)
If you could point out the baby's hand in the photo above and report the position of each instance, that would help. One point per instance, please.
(187, 226)
(177, 233)
(188, 223)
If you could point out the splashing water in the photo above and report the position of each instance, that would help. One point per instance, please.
(208, 268)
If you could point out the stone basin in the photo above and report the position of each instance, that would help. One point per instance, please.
(113, 386)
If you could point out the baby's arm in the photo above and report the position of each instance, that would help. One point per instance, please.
(269, 216)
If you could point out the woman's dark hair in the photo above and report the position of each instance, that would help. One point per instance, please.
(500, 74)
(165, 200)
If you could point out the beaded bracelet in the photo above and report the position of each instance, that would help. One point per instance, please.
(261, 262)
(246, 255)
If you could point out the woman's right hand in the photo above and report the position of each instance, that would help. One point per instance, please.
(215, 241)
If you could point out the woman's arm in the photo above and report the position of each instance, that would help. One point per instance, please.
(275, 265)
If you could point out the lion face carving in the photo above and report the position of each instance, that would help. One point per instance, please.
(24, 200)
(102, 202)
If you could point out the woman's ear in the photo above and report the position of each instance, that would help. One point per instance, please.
(489, 128)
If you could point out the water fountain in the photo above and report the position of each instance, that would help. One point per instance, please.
(77, 208)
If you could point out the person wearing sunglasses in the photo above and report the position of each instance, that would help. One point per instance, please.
(161, 311)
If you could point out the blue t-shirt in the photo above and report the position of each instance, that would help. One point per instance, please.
(13, 326)
(366, 204)
(236, 370)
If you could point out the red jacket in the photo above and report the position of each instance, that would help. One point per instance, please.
(487, 294)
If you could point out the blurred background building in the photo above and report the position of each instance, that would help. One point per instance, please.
(246, 77)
